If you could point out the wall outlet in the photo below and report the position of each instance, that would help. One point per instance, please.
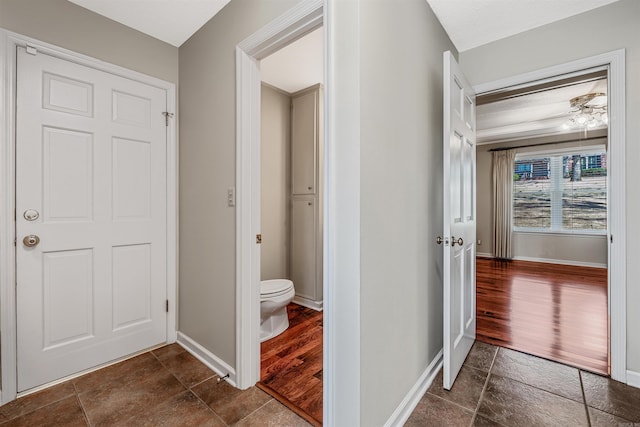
(231, 197)
(479, 242)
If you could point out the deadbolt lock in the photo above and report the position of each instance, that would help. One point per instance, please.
(31, 214)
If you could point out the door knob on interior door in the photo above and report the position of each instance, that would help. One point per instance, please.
(31, 240)
(457, 241)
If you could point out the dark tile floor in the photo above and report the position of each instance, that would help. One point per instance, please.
(501, 387)
(170, 387)
(164, 387)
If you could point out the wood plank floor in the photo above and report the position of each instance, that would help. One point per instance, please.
(558, 312)
(291, 364)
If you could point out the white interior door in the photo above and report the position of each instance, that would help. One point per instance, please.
(91, 184)
(459, 219)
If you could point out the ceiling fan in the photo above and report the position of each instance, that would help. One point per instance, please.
(588, 111)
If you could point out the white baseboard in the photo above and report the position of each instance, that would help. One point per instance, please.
(561, 261)
(547, 260)
(633, 379)
(305, 302)
(410, 401)
(205, 356)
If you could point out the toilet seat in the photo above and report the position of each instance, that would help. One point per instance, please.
(274, 288)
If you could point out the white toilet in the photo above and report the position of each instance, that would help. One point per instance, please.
(274, 296)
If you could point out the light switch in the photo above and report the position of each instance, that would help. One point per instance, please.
(231, 197)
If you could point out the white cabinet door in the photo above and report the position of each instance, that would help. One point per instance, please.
(459, 213)
(91, 184)
(303, 246)
(304, 139)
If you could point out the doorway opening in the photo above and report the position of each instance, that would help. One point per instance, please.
(543, 269)
(299, 21)
(292, 154)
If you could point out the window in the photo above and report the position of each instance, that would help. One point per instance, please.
(564, 192)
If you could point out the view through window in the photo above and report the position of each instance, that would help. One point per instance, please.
(560, 192)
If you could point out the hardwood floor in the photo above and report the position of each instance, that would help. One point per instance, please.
(558, 312)
(291, 364)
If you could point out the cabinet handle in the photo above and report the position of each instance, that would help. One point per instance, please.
(309, 188)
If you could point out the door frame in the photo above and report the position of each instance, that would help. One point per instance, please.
(307, 16)
(615, 61)
(9, 42)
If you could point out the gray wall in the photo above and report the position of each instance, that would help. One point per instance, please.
(401, 199)
(275, 174)
(67, 25)
(571, 248)
(207, 168)
(611, 27)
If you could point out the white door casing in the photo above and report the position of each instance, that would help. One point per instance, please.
(615, 62)
(459, 213)
(301, 19)
(91, 160)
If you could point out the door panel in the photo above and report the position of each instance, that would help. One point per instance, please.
(459, 219)
(91, 160)
(68, 175)
(303, 246)
(304, 143)
(68, 297)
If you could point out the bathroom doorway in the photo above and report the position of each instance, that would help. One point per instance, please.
(291, 178)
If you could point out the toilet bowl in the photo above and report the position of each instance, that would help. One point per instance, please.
(274, 296)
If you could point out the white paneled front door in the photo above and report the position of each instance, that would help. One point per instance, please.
(459, 213)
(90, 217)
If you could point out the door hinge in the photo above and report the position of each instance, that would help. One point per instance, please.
(31, 50)
(611, 238)
(166, 306)
(167, 115)
(258, 238)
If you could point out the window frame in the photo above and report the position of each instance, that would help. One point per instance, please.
(538, 154)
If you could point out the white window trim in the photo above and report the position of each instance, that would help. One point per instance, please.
(591, 150)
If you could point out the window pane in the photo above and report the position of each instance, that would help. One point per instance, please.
(561, 193)
(531, 193)
(584, 192)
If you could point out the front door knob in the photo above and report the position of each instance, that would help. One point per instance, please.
(31, 240)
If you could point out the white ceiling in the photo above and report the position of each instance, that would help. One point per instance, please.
(172, 21)
(469, 23)
(472, 23)
(296, 66)
(538, 114)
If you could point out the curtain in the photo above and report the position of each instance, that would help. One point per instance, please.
(502, 195)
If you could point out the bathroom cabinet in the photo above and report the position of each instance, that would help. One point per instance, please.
(306, 196)
(304, 142)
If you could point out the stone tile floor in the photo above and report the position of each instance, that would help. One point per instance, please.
(163, 387)
(170, 387)
(501, 387)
